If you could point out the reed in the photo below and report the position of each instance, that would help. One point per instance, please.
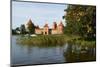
(55, 40)
(43, 40)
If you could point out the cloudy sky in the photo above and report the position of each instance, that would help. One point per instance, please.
(39, 13)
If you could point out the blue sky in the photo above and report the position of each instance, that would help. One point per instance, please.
(39, 13)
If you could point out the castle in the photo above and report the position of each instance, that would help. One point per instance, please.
(56, 29)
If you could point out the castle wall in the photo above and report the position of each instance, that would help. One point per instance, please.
(46, 31)
(38, 31)
(54, 32)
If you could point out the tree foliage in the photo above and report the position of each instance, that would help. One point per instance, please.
(31, 27)
(22, 29)
(15, 31)
(81, 20)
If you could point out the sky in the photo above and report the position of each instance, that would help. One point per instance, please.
(39, 13)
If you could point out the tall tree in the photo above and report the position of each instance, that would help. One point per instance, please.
(22, 29)
(31, 27)
(81, 20)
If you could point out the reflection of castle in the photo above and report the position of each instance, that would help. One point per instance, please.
(56, 29)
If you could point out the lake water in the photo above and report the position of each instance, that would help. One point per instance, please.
(26, 54)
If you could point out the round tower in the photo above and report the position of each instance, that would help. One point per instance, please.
(54, 25)
(46, 29)
(60, 28)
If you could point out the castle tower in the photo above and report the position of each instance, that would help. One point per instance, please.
(54, 25)
(54, 28)
(60, 28)
(46, 29)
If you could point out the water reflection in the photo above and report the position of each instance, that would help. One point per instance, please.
(44, 54)
(71, 53)
(76, 53)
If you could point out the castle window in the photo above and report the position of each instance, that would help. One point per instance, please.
(45, 32)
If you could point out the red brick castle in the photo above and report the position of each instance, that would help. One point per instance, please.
(56, 29)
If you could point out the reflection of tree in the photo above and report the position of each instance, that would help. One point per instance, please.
(74, 55)
(40, 46)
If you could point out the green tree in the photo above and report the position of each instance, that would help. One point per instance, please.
(81, 20)
(17, 29)
(22, 29)
(13, 32)
(31, 27)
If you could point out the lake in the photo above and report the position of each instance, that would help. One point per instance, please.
(27, 54)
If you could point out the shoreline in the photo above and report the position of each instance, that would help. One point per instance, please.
(55, 40)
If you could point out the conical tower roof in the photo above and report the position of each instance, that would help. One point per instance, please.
(29, 22)
(46, 25)
(61, 24)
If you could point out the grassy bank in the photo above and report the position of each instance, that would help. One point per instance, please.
(43, 39)
(55, 40)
